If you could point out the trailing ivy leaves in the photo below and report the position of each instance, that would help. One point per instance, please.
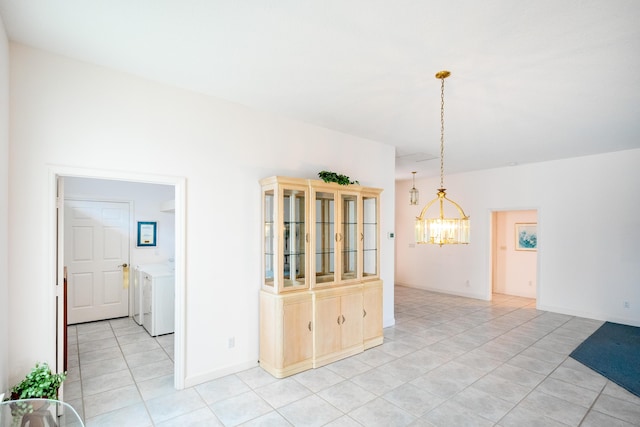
(327, 176)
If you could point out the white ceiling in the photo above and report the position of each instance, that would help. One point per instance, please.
(534, 81)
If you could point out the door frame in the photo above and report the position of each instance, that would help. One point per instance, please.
(55, 258)
(493, 268)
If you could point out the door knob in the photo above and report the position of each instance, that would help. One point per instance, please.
(125, 265)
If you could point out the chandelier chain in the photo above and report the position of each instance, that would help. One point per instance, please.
(442, 133)
(440, 229)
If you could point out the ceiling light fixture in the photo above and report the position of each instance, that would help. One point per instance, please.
(440, 230)
(413, 193)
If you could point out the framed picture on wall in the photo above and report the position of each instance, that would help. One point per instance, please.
(147, 232)
(526, 236)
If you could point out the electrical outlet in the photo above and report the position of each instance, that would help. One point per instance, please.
(626, 304)
(232, 342)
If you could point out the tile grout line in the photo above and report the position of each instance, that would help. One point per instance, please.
(593, 404)
(146, 408)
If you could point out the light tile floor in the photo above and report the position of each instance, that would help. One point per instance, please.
(448, 361)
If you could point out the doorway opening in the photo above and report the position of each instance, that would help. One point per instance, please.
(57, 196)
(514, 253)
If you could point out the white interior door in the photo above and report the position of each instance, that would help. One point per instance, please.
(96, 251)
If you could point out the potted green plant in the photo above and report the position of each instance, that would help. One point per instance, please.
(328, 176)
(40, 383)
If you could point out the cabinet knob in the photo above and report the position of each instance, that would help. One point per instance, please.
(343, 318)
(309, 325)
(364, 313)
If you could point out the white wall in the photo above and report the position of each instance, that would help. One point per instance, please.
(588, 231)
(146, 200)
(514, 271)
(4, 202)
(69, 113)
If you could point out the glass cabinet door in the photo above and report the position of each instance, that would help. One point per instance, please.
(285, 234)
(294, 238)
(324, 237)
(370, 236)
(348, 237)
(269, 242)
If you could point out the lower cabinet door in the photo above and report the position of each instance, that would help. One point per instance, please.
(286, 333)
(372, 314)
(351, 327)
(327, 323)
(298, 335)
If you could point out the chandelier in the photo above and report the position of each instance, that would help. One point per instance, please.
(438, 229)
(413, 193)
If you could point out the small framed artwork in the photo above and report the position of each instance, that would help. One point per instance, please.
(526, 236)
(147, 232)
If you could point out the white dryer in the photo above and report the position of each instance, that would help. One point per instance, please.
(156, 294)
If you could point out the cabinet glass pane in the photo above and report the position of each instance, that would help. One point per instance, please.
(325, 237)
(349, 237)
(370, 236)
(294, 269)
(269, 249)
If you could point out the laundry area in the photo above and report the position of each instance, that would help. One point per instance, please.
(119, 252)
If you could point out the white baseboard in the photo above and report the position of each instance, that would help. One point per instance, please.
(445, 291)
(589, 315)
(191, 381)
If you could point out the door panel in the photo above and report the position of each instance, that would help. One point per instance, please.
(351, 307)
(298, 336)
(112, 247)
(82, 238)
(327, 324)
(96, 247)
(373, 311)
(82, 292)
(112, 290)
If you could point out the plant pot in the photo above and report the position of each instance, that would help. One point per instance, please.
(32, 413)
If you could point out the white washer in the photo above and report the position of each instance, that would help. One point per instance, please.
(157, 298)
(138, 280)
